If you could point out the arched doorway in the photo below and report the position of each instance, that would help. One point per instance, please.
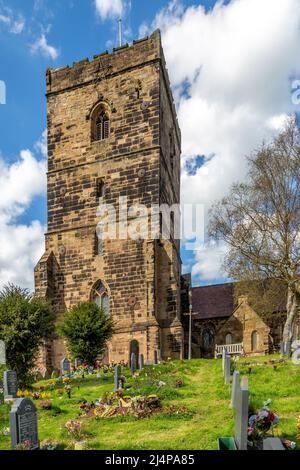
(208, 341)
(134, 348)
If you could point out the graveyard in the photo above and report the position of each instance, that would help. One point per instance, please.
(174, 405)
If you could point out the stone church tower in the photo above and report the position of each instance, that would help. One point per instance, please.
(113, 131)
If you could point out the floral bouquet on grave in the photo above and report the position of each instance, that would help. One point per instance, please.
(261, 423)
(74, 428)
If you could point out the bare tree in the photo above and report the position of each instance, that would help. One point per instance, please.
(259, 220)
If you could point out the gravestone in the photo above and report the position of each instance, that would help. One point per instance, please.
(241, 414)
(227, 370)
(141, 361)
(133, 363)
(117, 377)
(24, 423)
(223, 358)
(10, 385)
(272, 443)
(65, 366)
(2, 353)
(235, 386)
(155, 357)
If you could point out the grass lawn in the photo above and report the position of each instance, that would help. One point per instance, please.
(207, 414)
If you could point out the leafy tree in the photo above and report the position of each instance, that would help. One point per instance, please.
(86, 328)
(266, 296)
(25, 323)
(259, 220)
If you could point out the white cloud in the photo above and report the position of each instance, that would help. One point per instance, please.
(41, 144)
(20, 245)
(41, 45)
(14, 22)
(208, 262)
(231, 70)
(110, 9)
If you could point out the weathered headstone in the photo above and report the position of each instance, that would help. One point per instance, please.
(155, 357)
(117, 377)
(235, 387)
(272, 443)
(141, 361)
(133, 363)
(227, 370)
(24, 424)
(2, 353)
(65, 366)
(10, 385)
(241, 414)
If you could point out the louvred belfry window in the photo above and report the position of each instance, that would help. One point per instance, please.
(102, 126)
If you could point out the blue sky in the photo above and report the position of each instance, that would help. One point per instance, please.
(37, 34)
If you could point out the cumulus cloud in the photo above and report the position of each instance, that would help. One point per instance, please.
(20, 245)
(110, 9)
(41, 45)
(232, 89)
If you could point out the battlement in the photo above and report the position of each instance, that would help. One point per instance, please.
(105, 65)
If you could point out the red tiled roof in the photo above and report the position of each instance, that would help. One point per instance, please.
(213, 301)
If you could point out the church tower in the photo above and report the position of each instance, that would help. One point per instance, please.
(113, 132)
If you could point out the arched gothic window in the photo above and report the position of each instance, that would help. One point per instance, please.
(254, 338)
(100, 123)
(100, 297)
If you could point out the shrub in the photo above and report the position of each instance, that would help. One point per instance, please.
(25, 323)
(86, 329)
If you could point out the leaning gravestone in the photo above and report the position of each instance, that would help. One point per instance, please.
(65, 366)
(117, 377)
(2, 353)
(241, 414)
(141, 361)
(10, 385)
(235, 387)
(227, 370)
(133, 363)
(24, 424)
